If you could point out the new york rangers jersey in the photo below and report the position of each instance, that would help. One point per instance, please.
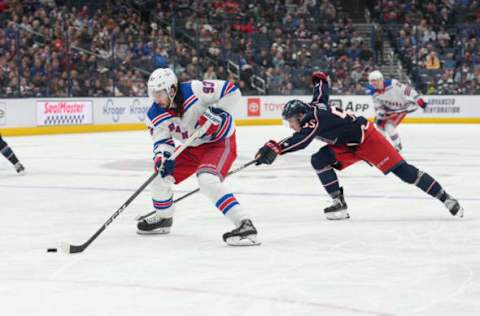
(396, 97)
(166, 126)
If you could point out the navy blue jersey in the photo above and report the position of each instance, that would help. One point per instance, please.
(321, 93)
(332, 125)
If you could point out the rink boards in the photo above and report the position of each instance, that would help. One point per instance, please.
(34, 116)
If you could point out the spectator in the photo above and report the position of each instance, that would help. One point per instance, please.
(432, 62)
(210, 73)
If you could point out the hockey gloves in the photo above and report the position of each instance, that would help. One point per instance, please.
(421, 103)
(268, 153)
(318, 76)
(211, 118)
(163, 165)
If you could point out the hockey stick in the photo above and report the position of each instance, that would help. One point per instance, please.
(79, 248)
(407, 111)
(142, 217)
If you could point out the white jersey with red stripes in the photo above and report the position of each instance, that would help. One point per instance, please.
(396, 97)
(218, 95)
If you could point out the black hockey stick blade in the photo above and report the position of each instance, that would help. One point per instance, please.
(80, 248)
(188, 142)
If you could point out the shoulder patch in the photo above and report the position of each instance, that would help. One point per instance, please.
(370, 90)
(157, 114)
(227, 88)
(188, 95)
(185, 88)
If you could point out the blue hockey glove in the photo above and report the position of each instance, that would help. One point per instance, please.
(163, 165)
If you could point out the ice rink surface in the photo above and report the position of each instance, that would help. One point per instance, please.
(401, 253)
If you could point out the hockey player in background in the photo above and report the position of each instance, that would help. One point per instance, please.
(392, 101)
(176, 112)
(350, 139)
(7, 152)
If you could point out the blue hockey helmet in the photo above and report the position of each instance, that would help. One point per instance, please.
(293, 108)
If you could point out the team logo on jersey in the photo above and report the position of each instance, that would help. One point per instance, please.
(253, 106)
(174, 128)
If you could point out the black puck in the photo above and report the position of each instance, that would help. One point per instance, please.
(52, 250)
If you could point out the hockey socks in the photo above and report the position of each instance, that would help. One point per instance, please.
(7, 152)
(429, 185)
(422, 180)
(230, 207)
(162, 205)
(329, 180)
(393, 134)
(224, 200)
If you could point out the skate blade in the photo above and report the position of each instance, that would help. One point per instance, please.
(459, 213)
(158, 231)
(337, 216)
(243, 241)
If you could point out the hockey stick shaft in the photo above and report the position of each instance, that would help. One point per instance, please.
(142, 217)
(188, 142)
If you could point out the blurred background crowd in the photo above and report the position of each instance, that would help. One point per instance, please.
(108, 48)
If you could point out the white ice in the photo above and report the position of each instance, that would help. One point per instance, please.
(401, 253)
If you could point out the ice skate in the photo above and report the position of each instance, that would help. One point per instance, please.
(19, 168)
(338, 210)
(243, 235)
(453, 206)
(398, 146)
(154, 224)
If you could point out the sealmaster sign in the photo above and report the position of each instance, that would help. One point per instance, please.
(253, 106)
(63, 112)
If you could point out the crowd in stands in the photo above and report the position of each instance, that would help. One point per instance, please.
(281, 42)
(104, 48)
(112, 48)
(38, 58)
(437, 40)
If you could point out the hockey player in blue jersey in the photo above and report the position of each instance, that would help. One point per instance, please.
(350, 139)
(178, 109)
(8, 153)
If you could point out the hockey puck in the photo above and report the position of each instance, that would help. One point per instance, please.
(52, 250)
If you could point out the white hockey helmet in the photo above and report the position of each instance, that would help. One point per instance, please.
(162, 79)
(375, 75)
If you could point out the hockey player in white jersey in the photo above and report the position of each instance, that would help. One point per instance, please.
(392, 101)
(177, 111)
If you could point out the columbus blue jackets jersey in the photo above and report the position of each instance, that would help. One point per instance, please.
(321, 94)
(332, 125)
